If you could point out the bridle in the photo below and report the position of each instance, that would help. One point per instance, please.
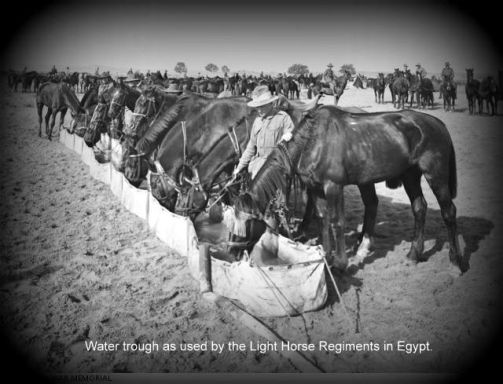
(194, 183)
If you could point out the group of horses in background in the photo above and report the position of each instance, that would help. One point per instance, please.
(486, 91)
(418, 92)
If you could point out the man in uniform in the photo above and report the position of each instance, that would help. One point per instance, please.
(269, 128)
(420, 71)
(448, 76)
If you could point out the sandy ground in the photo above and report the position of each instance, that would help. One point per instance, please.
(77, 266)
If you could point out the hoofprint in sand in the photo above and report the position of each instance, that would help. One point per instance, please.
(77, 266)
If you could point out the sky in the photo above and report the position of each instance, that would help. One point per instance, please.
(252, 36)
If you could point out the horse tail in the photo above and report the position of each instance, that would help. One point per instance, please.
(453, 178)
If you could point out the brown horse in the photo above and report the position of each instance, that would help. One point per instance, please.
(332, 148)
(57, 98)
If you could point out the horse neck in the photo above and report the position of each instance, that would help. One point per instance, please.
(71, 99)
(157, 132)
(131, 96)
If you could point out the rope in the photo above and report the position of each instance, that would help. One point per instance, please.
(267, 280)
(184, 132)
(346, 314)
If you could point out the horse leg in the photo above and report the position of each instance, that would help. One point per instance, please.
(308, 215)
(51, 125)
(47, 118)
(334, 221)
(442, 192)
(366, 238)
(412, 184)
(39, 111)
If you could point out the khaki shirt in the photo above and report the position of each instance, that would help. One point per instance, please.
(265, 135)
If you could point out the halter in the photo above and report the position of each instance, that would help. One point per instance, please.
(195, 182)
(150, 106)
(85, 122)
(98, 119)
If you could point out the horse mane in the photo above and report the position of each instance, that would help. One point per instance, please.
(89, 93)
(70, 98)
(153, 136)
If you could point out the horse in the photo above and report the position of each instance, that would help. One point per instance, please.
(487, 91)
(471, 89)
(88, 103)
(186, 174)
(72, 79)
(57, 98)
(414, 84)
(400, 90)
(448, 91)
(379, 86)
(331, 148)
(27, 81)
(425, 91)
(182, 151)
(358, 83)
(100, 121)
(151, 104)
(123, 96)
(289, 88)
(188, 104)
(340, 85)
(390, 79)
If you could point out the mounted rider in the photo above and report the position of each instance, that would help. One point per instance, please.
(420, 71)
(448, 75)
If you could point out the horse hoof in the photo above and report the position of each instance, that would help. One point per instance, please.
(340, 265)
(413, 255)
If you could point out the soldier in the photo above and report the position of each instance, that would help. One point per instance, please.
(328, 75)
(269, 128)
(448, 77)
(447, 72)
(420, 71)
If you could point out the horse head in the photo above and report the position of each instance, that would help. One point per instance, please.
(97, 126)
(135, 164)
(117, 102)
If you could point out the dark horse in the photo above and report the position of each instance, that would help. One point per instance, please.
(332, 148)
(289, 87)
(151, 104)
(88, 102)
(471, 90)
(57, 98)
(414, 85)
(426, 91)
(400, 90)
(379, 86)
(188, 104)
(123, 96)
(100, 121)
(448, 91)
(187, 175)
(488, 91)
